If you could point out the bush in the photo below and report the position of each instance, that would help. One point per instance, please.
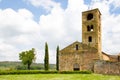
(42, 72)
(76, 72)
(27, 72)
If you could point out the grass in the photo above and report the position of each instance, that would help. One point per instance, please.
(59, 77)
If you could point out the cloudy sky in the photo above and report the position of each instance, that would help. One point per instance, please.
(26, 24)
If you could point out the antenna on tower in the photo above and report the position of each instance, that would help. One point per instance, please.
(90, 6)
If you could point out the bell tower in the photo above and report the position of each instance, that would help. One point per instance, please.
(91, 28)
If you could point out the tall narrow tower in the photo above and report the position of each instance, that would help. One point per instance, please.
(91, 28)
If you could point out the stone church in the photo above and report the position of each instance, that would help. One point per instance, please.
(83, 55)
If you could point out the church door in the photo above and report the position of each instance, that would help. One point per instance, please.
(76, 67)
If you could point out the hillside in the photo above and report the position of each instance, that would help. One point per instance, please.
(9, 65)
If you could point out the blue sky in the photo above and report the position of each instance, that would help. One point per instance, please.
(26, 24)
(37, 11)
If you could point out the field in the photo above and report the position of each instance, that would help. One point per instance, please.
(9, 65)
(59, 77)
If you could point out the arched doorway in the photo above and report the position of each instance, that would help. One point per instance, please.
(76, 67)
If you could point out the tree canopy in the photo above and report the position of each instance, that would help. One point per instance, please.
(27, 57)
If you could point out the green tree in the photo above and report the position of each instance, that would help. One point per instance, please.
(27, 57)
(57, 58)
(46, 58)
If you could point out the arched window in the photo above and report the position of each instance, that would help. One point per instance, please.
(76, 67)
(91, 28)
(88, 28)
(89, 39)
(119, 58)
(77, 47)
(89, 16)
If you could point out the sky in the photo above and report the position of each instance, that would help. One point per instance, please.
(27, 24)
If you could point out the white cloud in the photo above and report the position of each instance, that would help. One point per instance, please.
(17, 32)
(46, 4)
(115, 3)
(25, 13)
(60, 27)
(7, 52)
(52, 24)
(15, 20)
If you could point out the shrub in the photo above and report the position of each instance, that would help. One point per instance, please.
(27, 72)
(76, 72)
(42, 72)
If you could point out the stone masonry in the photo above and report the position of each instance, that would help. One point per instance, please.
(107, 67)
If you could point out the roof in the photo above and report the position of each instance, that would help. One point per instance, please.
(105, 54)
(72, 44)
(111, 57)
(92, 10)
(82, 46)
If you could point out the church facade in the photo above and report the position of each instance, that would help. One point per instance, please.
(80, 56)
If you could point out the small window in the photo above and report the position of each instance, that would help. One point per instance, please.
(99, 28)
(89, 39)
(88, 28)
(119, 58)
(77, 47)
(76, 67)
(91, 28)
(89, 16)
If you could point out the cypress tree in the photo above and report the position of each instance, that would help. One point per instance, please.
(57, 58)
(46, 58)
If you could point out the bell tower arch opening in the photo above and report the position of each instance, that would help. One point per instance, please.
(89, 28)
(89, 16)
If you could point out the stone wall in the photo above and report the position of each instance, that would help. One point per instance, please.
(107, 67)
